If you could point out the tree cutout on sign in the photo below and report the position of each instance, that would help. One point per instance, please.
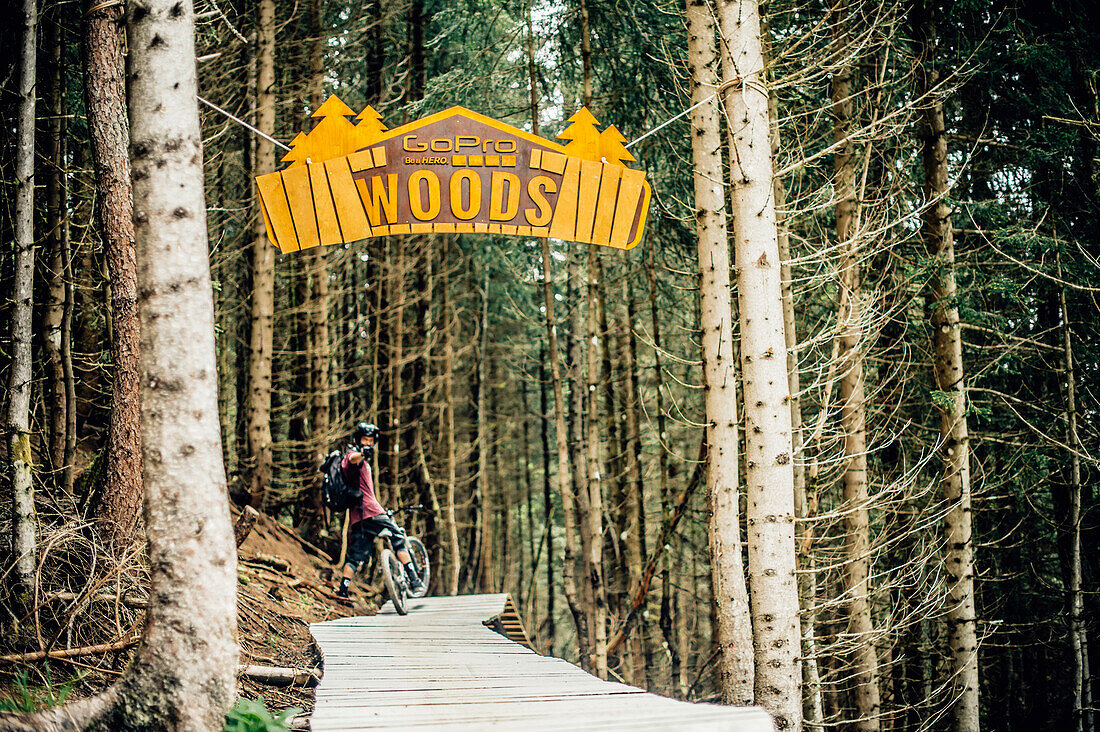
(298, 152)
(369, 128)
(584, 135)
(612, 147)
(333, 136)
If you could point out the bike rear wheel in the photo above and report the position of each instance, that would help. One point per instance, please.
(419, 553)
(393, 574)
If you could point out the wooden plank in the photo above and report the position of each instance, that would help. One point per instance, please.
(300, 196)
(630, 191)
(564, 223)
(440, 667)
(591, 172)
(281, 225)
(349, 208)
(327, 225)
(605, 208)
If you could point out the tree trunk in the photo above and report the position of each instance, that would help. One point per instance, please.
(182, 677)
(547, 506)
(594, 472)
(670, 604)
(317, 266)
(565, 474)
(120, 506)
(950, 380)
(1082, 691)
(551, 623)
(853, 419)
(803, 505)
(449, 424)
(484, 486)
(632, 475)
(57, 238)
(263, 272)
(733, 627)
(769, 471)
(20, 460)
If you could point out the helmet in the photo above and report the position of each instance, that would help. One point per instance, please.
(365, 429)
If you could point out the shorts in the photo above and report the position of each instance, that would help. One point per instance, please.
(361, 538)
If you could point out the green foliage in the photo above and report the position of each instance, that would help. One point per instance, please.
(943, 400)
(28, 698)
(252, 715)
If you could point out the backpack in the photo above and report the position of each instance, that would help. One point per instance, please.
(335, 491)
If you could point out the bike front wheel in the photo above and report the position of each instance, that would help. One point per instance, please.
(419, 554)
(393, 574)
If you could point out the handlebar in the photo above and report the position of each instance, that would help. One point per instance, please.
(409, 509)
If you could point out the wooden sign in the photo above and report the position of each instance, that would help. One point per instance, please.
(453, 172)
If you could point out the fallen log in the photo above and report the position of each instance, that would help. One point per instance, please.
(70, 652)
(280, 676)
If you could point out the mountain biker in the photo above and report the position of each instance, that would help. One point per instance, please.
(368, 519)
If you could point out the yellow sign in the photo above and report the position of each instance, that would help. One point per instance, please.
(453, 172)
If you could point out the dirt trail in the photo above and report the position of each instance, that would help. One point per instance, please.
(284, 585)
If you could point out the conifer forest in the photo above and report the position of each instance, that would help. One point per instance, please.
(825, 439)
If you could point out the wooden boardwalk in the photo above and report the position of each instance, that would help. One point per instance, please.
(441, 667)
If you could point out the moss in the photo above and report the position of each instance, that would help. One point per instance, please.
(21, 448)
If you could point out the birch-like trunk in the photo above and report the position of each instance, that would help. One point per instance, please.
(183, 675)
(20, 460)
(950, 380)
(812, 710)
(733, 626)
(769, 472)
(263, 271)
(105, 93)
(853, 413)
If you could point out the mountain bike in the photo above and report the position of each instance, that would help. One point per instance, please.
(384, 559)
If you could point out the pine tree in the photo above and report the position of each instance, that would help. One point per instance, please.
(369, 128)
(298, 152)
(584, 135)
(334, 135)
(612, 147)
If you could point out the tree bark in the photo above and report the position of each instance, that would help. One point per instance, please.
(449, 424)
(565, 483)
(486, 561)
(769, 471)
(317, 266)
(954, 445)
(261, 341)
(670, 604)
(594, 472)
(20, 460)
(120, 506)
(1082, 691)
(803, 503)
(632, 445)
(182, 677)
(733, 626)
(57, 237)
(853, 414)
(550, 636)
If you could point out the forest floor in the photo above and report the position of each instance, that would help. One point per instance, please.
(285, 585)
